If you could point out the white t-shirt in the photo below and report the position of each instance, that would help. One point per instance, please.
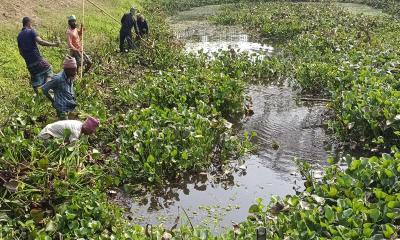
(57, 130)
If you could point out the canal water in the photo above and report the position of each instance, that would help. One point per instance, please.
(287, 129)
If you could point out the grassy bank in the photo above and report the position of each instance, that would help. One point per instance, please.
(102, 33)
(163, 114)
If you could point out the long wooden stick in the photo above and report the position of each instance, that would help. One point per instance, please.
(187, 216)
(101, 9)
(83, 23)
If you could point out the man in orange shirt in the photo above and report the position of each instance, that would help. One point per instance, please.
(74, 44)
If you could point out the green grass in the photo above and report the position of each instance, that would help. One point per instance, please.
(101, 31)
(163, 114)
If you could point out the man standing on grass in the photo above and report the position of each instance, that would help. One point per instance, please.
(39, 69)
(63, 89)
(128, 22)
(74, 44)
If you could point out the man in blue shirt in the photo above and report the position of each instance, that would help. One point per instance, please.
(128, 22)
(63, 89)
(39, 69)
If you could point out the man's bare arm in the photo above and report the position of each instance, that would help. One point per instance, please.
(46, 43)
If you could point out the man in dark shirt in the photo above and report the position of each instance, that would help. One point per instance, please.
(127, 22)
(39, 69)
(142, 25)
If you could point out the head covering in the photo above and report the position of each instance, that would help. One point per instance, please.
(133, 9)
(91, 124)
(69, 63)
(72, 17)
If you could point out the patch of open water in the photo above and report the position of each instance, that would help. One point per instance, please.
(286, 129)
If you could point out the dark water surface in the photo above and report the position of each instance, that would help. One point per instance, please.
(286, 129)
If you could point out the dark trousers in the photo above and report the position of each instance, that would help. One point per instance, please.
(125, 35)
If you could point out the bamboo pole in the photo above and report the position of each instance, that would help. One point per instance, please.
(101, 9)
(83, 24)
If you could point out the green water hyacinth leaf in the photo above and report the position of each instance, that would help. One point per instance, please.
(293, 201)
(355, 164)
(347, 213)
(393, 204)
(70, 216)
(150, 159)
(174, 153)
(254, 208)
(389, 173)
(185, 155)
(333, 192)
(329, 214)
(374, 214)
(380, 194)
(388, 230)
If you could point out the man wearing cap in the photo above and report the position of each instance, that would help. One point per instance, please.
(74, 43)
(127, 22)
(63, 89)
(72, 129)
(39, 69)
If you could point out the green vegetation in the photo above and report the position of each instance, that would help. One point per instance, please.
(390, 6)
(352, 59)
(164, 113)
(361, 202)
(357, 8)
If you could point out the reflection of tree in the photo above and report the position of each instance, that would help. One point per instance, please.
(165, 197)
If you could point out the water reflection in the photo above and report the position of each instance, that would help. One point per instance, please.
(216, 38)
(208, 197)
(286, 129)
(238, 43)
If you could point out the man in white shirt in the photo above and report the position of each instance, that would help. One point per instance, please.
(76, 128)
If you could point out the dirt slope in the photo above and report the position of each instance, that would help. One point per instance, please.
(14, 10)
